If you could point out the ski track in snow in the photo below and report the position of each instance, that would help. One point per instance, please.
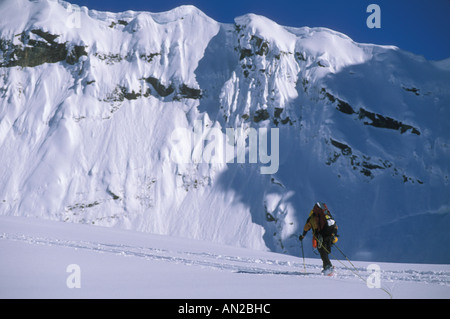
(236, 264)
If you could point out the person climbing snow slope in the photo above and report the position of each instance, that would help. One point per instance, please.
(324, 230)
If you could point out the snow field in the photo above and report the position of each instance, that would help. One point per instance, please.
(126, 264)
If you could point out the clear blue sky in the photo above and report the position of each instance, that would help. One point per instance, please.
(419, 26)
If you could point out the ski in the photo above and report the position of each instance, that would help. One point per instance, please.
(330, 272)
(275, 272)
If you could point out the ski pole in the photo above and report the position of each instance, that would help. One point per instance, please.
(344, 256)
(303, 255)
(355, 271)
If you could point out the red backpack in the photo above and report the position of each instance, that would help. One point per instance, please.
(325, 222)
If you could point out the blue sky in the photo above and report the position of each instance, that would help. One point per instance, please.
(419, 26)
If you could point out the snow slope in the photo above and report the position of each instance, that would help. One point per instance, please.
(126, 264)
(89, 101)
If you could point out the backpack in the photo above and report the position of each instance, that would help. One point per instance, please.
(326, 225)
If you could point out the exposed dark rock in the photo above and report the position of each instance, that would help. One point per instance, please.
(356, 162)
(114, 196)
(36, 52)
(261, 46)
(131, 96)
(50, 38)
(74, 55)
(121, 22)
(110, 58)
(261, 115)
(413, 90)
(300, 56)
(364, 164)
(376, 120)
(278, 111)
(149, 57)
(245, 53)
(277, 117)
(345, 149)
(344, 107)
(189, 93)
(323, 64)
(161, 89)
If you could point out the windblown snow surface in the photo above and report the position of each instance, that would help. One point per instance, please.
(38, 256)
(90, 101)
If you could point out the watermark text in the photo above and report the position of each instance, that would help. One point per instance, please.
(211, 145)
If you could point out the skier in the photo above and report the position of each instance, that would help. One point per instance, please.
(324, 233)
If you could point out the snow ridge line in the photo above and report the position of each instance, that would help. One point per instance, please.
(236, 264)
